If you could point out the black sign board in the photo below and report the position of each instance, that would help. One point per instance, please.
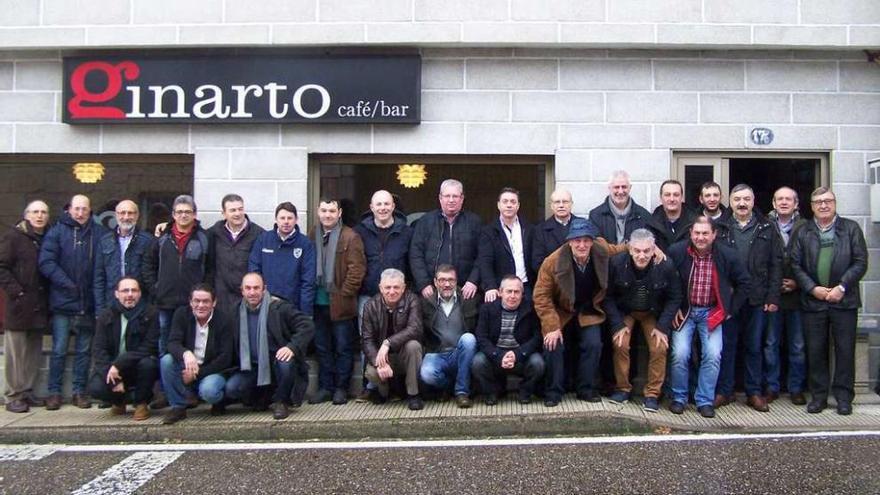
(137, 89)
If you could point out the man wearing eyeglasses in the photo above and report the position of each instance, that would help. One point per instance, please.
(176, 262)
(550, 234)
(829, 258)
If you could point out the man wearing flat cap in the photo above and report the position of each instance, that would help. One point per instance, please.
(568, 299)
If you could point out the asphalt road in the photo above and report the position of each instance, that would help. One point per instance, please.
(786, 464)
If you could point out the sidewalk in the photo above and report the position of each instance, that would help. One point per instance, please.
(361, 421)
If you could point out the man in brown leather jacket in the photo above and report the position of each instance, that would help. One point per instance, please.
(392, 326)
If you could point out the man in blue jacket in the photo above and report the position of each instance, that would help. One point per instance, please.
(67, 259)
(120, 254)
(286, 260)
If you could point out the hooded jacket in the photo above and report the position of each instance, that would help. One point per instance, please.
(67, 259)
(288, 267)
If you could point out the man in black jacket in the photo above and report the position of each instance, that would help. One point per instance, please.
(641, 291)
(199, 353)
(230, 242)
(509, 343)
(757, 245)
(829, 258)
(271, 338)
(449, 236)
(671, 220)
(504, 247)
(548, 235)
(619, 214)
(124, 351)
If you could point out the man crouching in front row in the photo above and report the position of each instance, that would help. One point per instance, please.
(270, 338)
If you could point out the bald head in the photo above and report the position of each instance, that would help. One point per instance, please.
(80, 209)
(37, 214)
(561, 203)
(126, 216)
(382, 206)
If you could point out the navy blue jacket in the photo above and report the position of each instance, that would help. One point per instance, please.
(764, 260)
(169, 275)
(733, 277)
(547, 236)
(424, 250)
(393, 254)
(496, 257)
(288, 267)
(525, 331)
(603, 218)
(67, 259)
(109, 266)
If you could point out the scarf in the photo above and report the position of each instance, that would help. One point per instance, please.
(326, 256)
(264, 375)
(130, 315)
(620, 219)
(180, 238)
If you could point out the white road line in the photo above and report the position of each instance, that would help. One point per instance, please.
(26, 452)
(129, 474)
(465, 443)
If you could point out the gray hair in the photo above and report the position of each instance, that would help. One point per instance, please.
(451, 183)
(742, 187)
(641, 235)
(622, 174)
(509, 279)
(184, 199)
(392, 273)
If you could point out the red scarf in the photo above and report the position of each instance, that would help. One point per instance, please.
(180, 238)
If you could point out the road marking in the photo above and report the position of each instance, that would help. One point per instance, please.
(129, 474)
(26, 452)
(465, 443)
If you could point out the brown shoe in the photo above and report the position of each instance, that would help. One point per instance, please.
(81, 401)
(117, 409)
(463, 401)
(770, 396)
(798, 399)
(53, 403)
(758, 403)
(721, 401)
(34, 401)
(18, 406)
(141, 412)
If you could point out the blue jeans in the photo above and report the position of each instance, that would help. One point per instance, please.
(439, 367)
(334, 343)
(62, 326)
(710, 359)
(288, 379)
(797, 358)
(165, 316)
(210, 388)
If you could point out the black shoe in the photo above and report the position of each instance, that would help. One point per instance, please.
(524, 397)
(340, 396)
(218, 409)
(844, 408)
(816, 406)
(490, 399)
(589, 396)
(104, 405)
(376, 397)
(280, 410)
(676, 408)
(174, 415)
(18, 406)
(160, 402)
(463, 401)
(414, 403)
(707, 411)
(551, 401)
(321, 396)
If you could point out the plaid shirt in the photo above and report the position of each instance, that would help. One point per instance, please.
(701, 293)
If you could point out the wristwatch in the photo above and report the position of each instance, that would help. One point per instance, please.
(842, 288)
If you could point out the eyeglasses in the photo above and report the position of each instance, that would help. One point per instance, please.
(820, 202)
(183, 212)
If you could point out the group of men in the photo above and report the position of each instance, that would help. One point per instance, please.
(446, 307)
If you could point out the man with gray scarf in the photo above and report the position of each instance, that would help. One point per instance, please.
(619, 214)
(271, 338)
(341, 266)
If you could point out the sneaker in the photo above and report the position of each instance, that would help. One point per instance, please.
(707, 411)
(174, 415)
(18, 406)
(463, 401)
(280, 410)
(414, 403)
(651, 404)
(81, 401)
(141, 412)
(619, 397)
(218, 409)
(340, 396)
(676, 408)
(322, 395)
(117, 409)
(490, 399)
(53, 403)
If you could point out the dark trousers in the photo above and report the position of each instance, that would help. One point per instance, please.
(590, 350)
(841, 325)
(289, 382)
(138, 381)
(334, 344)
(492, 378)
